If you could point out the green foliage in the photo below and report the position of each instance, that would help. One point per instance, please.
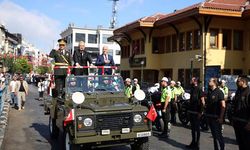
(9, 63)
(21, 65)
(43, 69)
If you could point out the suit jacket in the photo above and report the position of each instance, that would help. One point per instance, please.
(61, 58)
(82, 59)
(25, 85)
(100, 62)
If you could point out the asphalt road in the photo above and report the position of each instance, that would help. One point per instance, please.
(28, 129)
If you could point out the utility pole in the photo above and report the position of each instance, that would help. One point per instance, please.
(113, 20)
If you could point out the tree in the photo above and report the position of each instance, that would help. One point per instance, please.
(21, 65)
(9, 63)
(43, 69)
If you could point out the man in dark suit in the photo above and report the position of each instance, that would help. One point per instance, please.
(62, 58)
(81, 57)
(105, 60)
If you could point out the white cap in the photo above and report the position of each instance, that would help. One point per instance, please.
(223, 81)
(128, 80)
(164, 79)
(172, 82)
(178, 83)
(135, 80)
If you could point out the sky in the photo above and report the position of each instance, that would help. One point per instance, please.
(41, 21)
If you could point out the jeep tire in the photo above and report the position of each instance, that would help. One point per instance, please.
(53, 129)
(141, 144)
(67, 142)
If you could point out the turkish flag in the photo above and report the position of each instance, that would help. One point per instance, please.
(70, 117)
(152, 114)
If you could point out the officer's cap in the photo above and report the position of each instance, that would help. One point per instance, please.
(62, 42)
(128, 80)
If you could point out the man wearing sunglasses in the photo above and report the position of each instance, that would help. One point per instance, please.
(61, 58)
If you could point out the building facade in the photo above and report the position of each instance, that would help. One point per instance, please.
(203, 40)
(94, 40)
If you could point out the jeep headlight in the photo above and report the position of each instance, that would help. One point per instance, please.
(137, 118)
(87, 122)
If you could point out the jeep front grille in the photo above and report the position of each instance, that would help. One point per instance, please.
(114, 121)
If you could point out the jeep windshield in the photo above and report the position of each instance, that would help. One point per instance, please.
(92, 84)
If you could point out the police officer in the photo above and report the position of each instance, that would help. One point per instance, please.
(128, 88)
(136, 85)
(215, 110)
(165, 103)
(224, 89)
(173, 102)
(62, 58)
(197, 103)
(241, 115)
(81, 57)
(179, 90)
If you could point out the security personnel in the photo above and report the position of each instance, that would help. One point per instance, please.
(61, 58)
(215, 110)
(179, 90)
(224, 89)
(136, 86)
(165, 103)
(197, 103)
(128, 88)
(241, 115)
(173, 102)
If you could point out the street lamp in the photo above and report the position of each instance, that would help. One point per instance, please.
(142, 64)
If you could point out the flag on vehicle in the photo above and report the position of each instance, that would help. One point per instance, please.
(70, 117)
(152, 114)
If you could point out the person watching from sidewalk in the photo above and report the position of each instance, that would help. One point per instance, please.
(12, 88)
(41, 88)
(62, 58)
(196, 106)
(136, 85)
(165, 103)
(81, 58)
(241, 114)
(105, 60)
(215, 110)
(21, 91)
(173, 103)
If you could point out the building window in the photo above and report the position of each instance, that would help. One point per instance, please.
(168, 44)
(181, 75)
(237, 72)
(110, 52)
(92, 38)
(189, 40)
(117, 52)
(182, 42)
(168, 73)
(197, 39)
(158, 45)
(125, 51)
(138, 46)
(238, 40)
(214, 38)
(226, 72)
(105, 38)
(80, 37)
(227, 36)
(174, 43)
(125, 74)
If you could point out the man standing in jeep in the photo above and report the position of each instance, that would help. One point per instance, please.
(62, 58)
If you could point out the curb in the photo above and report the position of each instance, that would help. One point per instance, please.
(4, 121)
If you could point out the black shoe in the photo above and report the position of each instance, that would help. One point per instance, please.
(190, 146)
(164, 135)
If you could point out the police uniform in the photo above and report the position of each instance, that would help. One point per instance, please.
(166, 92)
(128, 91)
(62, 58)
(213, 111)
(241, 117)
(173, 105)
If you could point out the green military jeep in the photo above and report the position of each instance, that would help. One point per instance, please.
(94, 112)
